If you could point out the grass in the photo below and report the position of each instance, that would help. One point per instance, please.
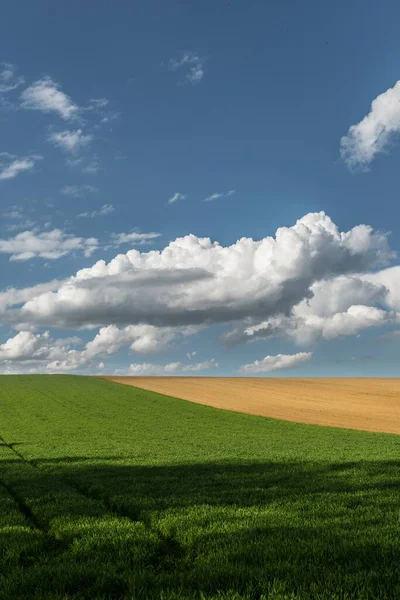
(107, 491)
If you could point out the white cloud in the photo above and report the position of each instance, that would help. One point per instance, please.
(87, 165)
(18, 220)
(390, 279)
(47, 244)
(141, 339)
(173, 367)
(78, 191)
(106, 209)
(12, 212)
(196, 73)
(193, 64)
(27, 346)
(275, 363)
(135, 238)
(373, 134)
(194, 281)
(177, 196)
(93, 166)
(15, 296)
(109, 118)
(8, 79)
(29, 352)
(19, 225)
(349, 322)
(96, 103)
(340, 306)
(45, 95)
(23, 345)
(218, 195)
(98, 107)
(71, 141)
(336, 295)
(13, 166)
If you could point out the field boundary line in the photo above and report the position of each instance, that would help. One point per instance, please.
(199, 391)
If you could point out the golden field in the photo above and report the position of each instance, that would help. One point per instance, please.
(357, 403)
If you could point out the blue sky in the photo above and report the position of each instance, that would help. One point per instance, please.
(174, 141)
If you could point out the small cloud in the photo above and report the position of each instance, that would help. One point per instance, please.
(212, 197)
(218, 195)
(191, 355)
(177, 196)
(93, 166)
(194, 65)
(71, 141)
(173, 367)
(87, 165)
(16, 215)
(95, 103)
(97, 106)
(13, 166)
(5, 104)
(28, 224)
(106, 209)
(46, 244)
(275, 363)
(112, 116)
(45, 95)
(372, 135)
(74, 162)
(135, 238)
(8, 79)
(12, 212)
(78, 191)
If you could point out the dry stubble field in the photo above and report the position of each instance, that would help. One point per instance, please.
(367, 404)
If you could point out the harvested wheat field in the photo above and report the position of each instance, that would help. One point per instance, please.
(366, 404)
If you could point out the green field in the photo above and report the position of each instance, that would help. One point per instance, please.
(107, 491)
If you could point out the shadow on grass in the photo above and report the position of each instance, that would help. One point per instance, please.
(279, 530)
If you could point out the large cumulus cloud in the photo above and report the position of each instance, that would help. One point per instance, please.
(309, 281)
(195, 281)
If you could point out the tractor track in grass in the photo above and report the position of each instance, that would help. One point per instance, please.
(53, 544)
(171, 550)
(79, 487)
(22, 507)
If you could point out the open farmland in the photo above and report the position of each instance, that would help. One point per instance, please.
(367, 404)
(109, 491)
